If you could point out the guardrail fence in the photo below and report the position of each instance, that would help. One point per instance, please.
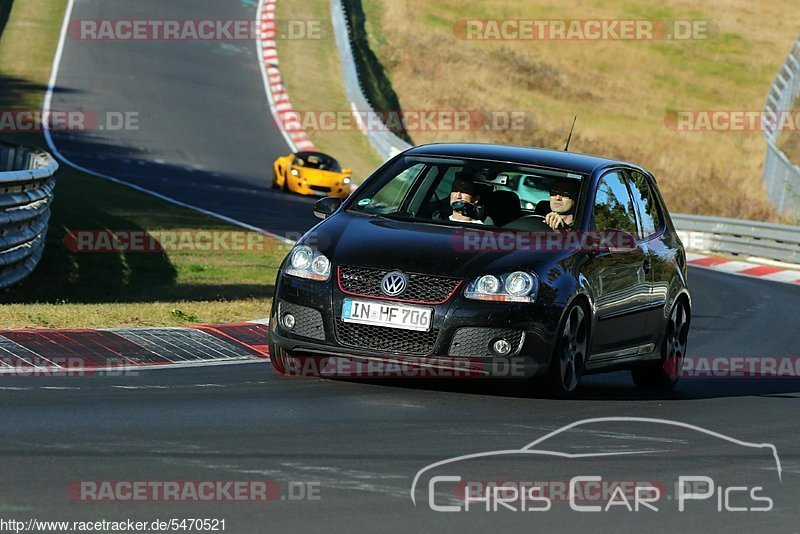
(733, 236)
(383, 140)
(26, 192)
(781, 177)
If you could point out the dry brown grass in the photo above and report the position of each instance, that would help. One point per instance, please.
(313, 77)
(621, 91)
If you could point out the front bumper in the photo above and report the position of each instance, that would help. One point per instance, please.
(459, 338)
(319, 188)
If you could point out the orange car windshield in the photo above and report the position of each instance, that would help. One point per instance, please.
(316, 160)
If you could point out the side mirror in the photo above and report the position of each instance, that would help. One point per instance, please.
(325, 207)
(347, 171)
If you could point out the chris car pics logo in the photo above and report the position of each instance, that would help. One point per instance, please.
(460, 484)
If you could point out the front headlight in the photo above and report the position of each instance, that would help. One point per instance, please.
(517, 286)
(346, 180)
(305, 262)
(295, 172)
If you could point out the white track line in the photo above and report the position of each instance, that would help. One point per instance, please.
(48, 100)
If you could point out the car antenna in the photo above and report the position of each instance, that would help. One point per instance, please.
(569, 138)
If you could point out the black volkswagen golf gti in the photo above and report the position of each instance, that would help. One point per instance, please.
(503, 260)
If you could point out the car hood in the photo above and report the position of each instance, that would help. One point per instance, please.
(317, 173)
(369, 241)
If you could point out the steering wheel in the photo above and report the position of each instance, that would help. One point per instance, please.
(528, 222)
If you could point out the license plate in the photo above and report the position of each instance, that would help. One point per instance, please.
(387, 314)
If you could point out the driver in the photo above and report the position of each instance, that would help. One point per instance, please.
(464, 201)
(563, 195)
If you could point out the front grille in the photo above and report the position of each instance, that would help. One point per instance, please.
(422, 288)
(385, 339)
(475, 341)
(308, 321)
(320, 188)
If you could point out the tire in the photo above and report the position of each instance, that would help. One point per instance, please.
(275, 180)
(665, 374)
(570, 353)
(283, 363)
(277, 359)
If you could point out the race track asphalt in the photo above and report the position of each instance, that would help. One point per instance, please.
(202, 134)
(360, 443)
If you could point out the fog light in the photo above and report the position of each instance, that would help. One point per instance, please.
(288, 321)
(501, 347)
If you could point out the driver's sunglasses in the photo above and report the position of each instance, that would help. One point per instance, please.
(560, 193)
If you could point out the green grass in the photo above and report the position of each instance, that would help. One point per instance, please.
(111, 289)
(93, 289)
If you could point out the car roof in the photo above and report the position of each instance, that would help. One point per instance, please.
(542, 157)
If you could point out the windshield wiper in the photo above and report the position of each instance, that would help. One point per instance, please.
(395, 217)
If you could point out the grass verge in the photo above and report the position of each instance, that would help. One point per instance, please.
(312, 75)
(622, 91)
(117, 289)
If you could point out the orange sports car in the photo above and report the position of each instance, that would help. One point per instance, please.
(311, 173)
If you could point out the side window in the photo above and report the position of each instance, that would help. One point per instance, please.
(646, 204)
(613, 208)
(390, 197)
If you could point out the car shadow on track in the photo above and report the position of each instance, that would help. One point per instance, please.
(609, 387)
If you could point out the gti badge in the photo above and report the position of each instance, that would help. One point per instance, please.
(394, 283)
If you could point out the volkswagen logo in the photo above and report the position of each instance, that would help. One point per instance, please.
(394, 283)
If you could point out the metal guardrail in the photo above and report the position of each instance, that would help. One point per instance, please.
(781, 177)
(26, 192)
(384, 141)
(733, 236)
(699, 233)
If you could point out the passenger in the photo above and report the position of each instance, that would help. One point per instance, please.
(563, 197)
(464, 201)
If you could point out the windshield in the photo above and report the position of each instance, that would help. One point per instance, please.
(316, 160)
(455, 191)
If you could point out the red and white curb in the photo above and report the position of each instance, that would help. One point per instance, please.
(284, 115)
(55, 352)
(773, 271)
